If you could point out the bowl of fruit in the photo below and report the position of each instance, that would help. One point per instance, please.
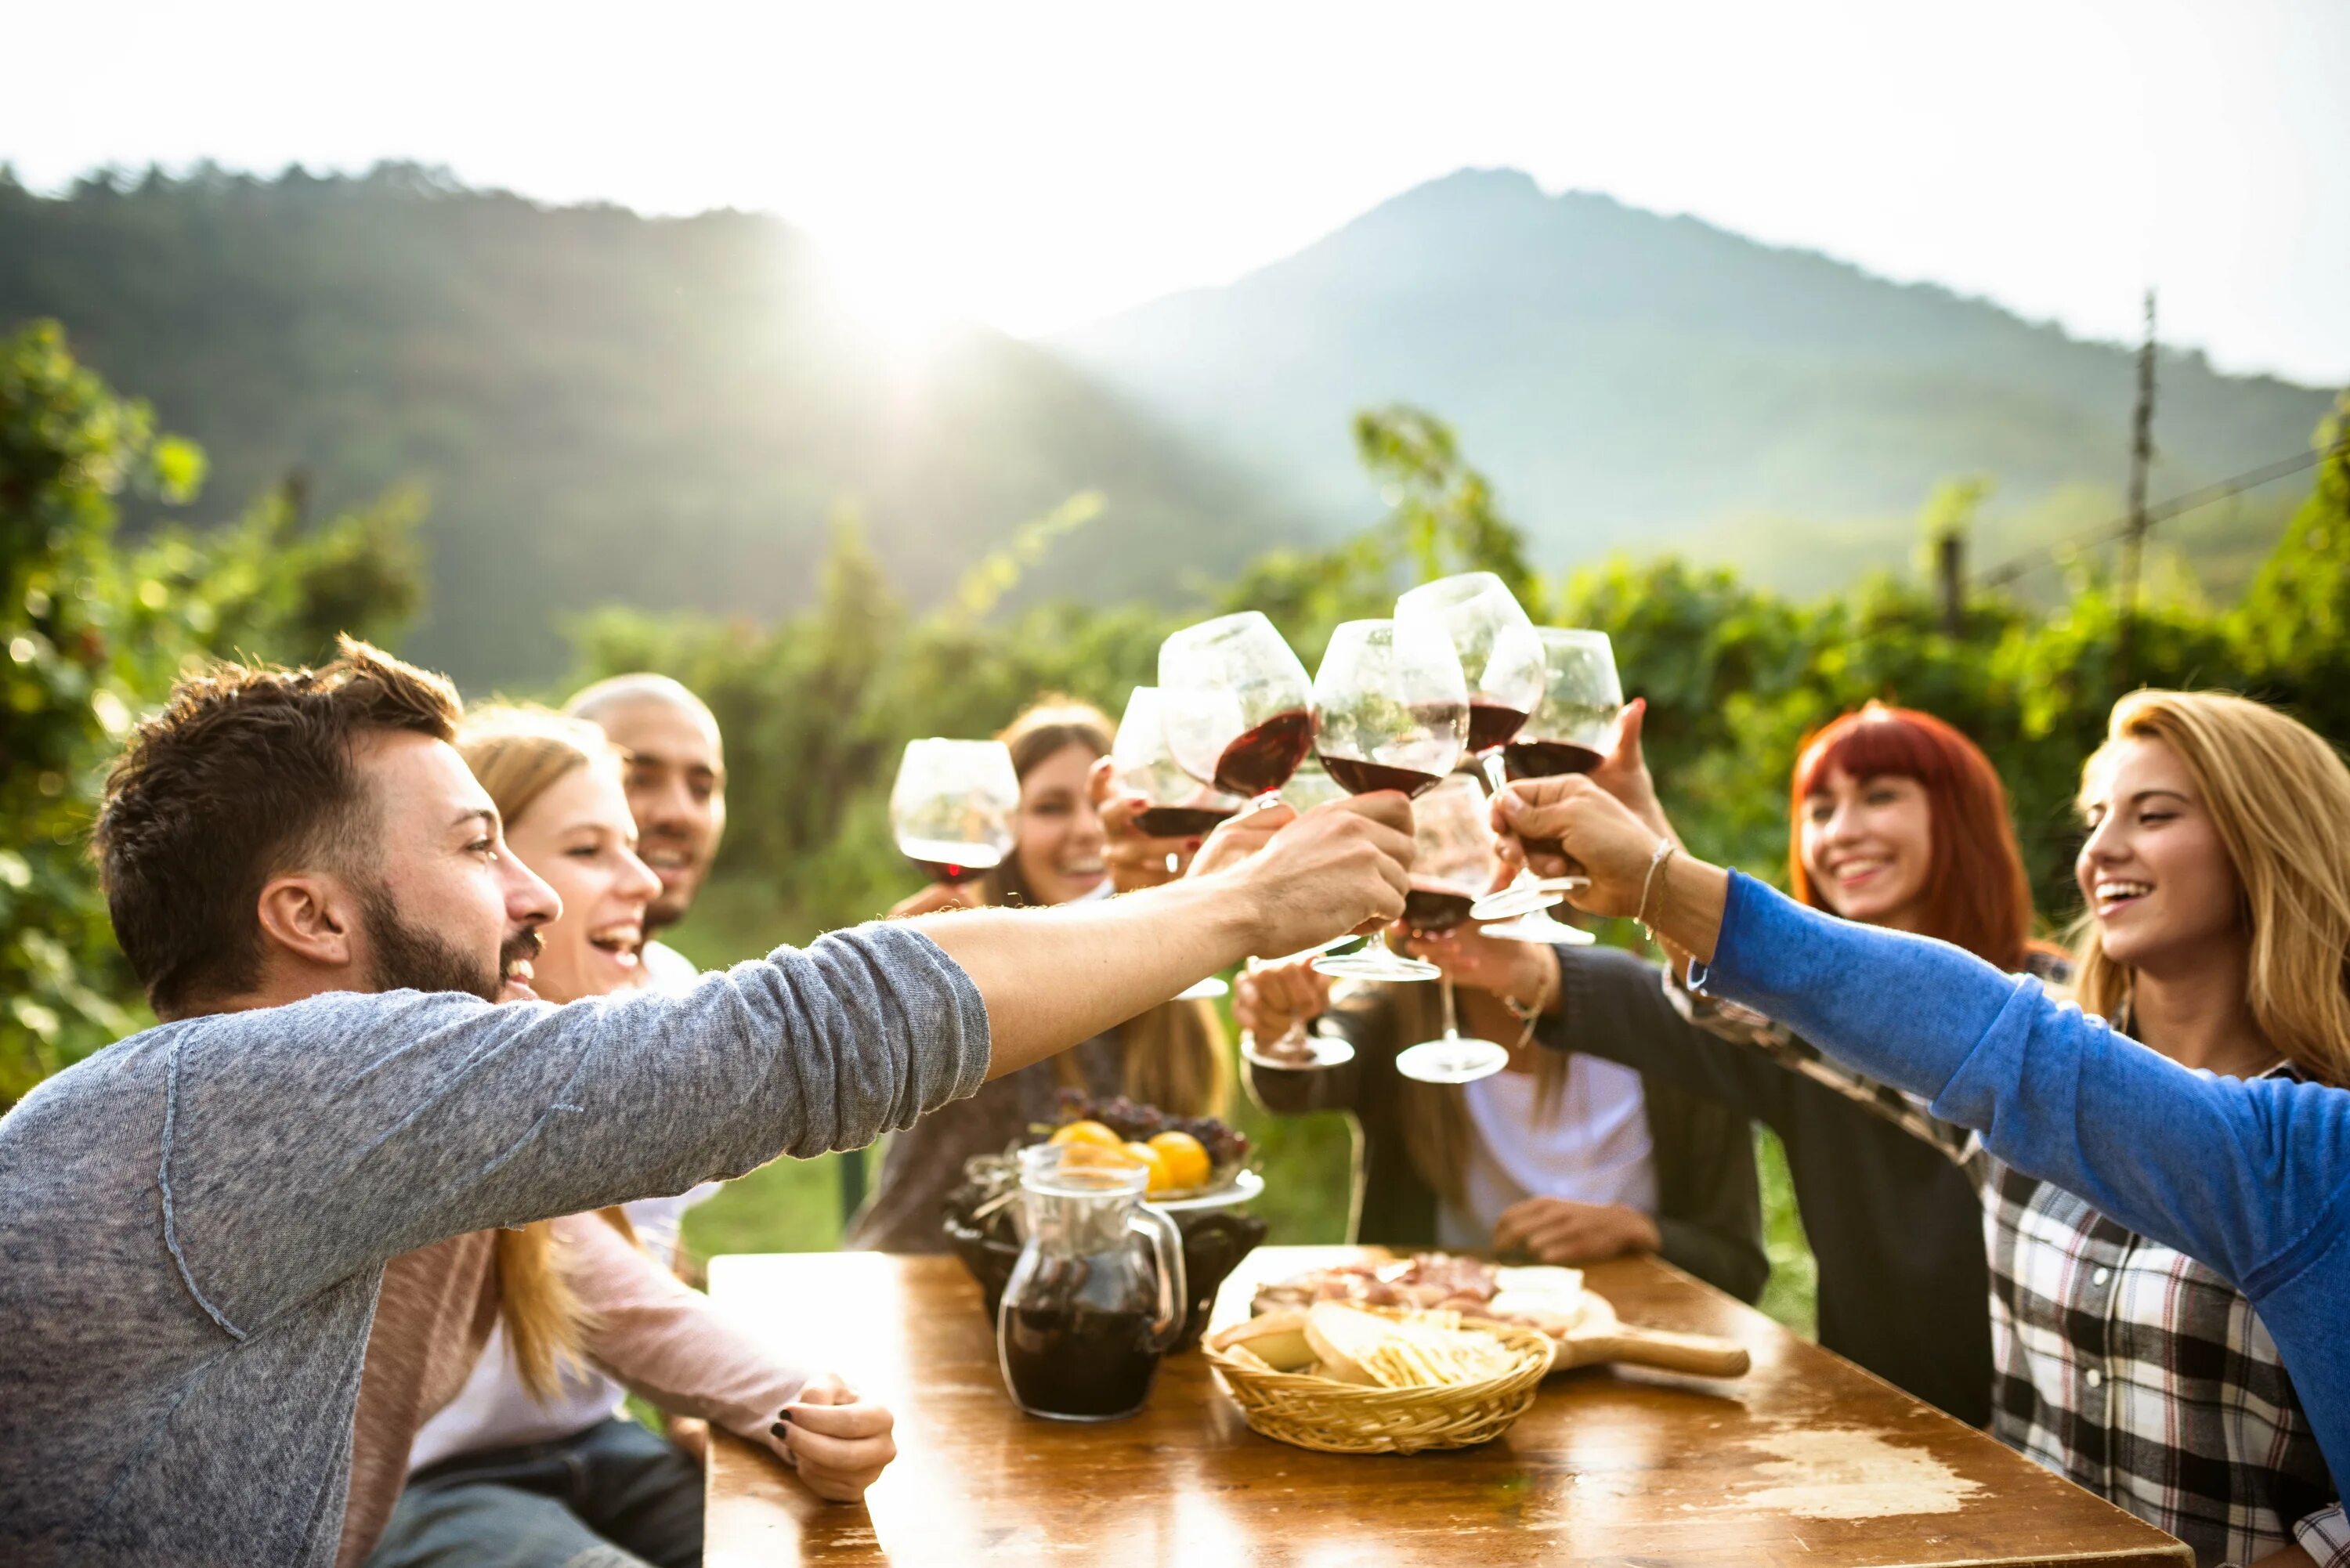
(1196, 1173)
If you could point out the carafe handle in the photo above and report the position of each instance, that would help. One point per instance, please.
(1167, 1249)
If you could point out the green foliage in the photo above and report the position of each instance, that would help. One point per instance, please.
(95, 632)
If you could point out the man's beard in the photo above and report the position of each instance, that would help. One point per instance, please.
(409, 958)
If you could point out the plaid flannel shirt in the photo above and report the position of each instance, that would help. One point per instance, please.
(2120, 1364)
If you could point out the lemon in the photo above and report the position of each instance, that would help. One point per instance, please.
(1089, 1132)
(1185, 1157)
(1150, 1159)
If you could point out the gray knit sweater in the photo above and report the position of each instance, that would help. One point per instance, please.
(192, 1223)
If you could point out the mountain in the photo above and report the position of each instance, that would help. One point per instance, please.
(1634, 381)
(603, 407)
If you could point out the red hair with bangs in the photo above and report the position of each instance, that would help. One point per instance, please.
(1976, 896)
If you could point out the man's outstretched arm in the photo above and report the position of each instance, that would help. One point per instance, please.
(1052, 977)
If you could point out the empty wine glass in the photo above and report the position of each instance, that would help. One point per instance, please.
(952, 804)
(1390, 712)
(1568, 732)
(1500, 658)
(1455, 862)
(1232, 700)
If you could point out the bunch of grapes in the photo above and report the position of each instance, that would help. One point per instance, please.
(1142, 1123)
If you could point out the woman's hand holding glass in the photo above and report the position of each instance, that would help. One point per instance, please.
(1522, 972)
(1273, 999)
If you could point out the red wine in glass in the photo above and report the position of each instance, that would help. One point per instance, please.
(1178, 821)
(1549, 759)
(1492, 725)
(1262, 759)
(975, 861)
(1357, 776)
(1432, 910)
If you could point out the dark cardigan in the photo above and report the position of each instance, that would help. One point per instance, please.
(1897, 1228)
(1709, 1210)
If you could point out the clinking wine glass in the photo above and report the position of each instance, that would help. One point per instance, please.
(1234, 705)
(1501, 657)
(952, 804)
(1303, 1046)
(1390, 712)
(1568, 732)
(1452, 826)
(1179, 805)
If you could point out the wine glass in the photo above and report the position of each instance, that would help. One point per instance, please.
(1568, 732)
(1390, 712)
(1179, 805)
(1455, 862)
(1500, 658)
(1232, 700)
(952, 805)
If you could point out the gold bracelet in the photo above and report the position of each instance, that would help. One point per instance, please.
(1666, 849)
(1529, 1013)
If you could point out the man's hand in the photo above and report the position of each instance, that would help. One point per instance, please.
(1340, 868)
(1602, 839)
(1239, 837)
(1134, 860)
(1269, 1000)
(840, 1442)
(1560, 1231)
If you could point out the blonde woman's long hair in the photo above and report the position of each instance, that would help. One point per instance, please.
(2280, 797)
(1174, 1054)
(519, 753)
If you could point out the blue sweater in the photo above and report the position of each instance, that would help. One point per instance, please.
(2252, 1179)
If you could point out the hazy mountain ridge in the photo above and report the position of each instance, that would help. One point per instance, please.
(604, 407)
(1631, 380)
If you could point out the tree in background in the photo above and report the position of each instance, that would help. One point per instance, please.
(95, 632)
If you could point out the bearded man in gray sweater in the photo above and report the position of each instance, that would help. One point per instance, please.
(312, 888)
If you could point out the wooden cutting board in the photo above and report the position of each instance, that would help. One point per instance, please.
(1600, 1336)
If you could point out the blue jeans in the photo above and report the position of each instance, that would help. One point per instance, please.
(615, 1496)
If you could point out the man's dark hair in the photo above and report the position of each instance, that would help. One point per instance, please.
(245, 775)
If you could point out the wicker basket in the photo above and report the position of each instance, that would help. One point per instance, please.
(1347, 1418)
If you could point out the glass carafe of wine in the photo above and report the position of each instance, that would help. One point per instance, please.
(952, 805)
(1098, 1294)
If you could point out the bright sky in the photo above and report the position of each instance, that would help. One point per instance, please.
(1036, 165)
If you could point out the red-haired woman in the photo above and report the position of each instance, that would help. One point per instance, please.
(1899, 820)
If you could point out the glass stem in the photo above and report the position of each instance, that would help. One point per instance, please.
(1451, 1023)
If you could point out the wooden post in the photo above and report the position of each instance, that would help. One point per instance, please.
(1950, 575)
(2134, 541)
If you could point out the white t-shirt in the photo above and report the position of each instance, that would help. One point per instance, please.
(1593, 1149)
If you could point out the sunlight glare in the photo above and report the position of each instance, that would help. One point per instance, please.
(888, 290)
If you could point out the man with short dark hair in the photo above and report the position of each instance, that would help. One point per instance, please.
(196, 1219)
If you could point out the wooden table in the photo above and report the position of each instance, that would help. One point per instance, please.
(1807, 1459)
